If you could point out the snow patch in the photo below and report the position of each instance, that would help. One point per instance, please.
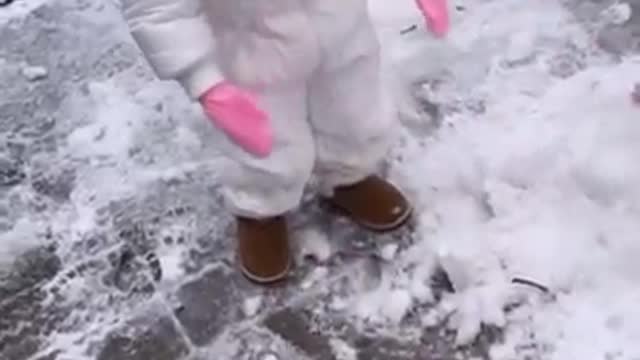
(34, 73)
(313, 244)
(317, 274)
(342, 350)
(252, 305)
(21, 238)
(568, 225)
(389, 251)
(528, 186)
(618, 13)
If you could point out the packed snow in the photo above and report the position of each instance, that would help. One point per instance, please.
(525, 183)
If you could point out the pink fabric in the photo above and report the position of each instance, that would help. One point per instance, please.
(237, 113)
(436, 14)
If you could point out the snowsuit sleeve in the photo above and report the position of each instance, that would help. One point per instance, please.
(176, 38)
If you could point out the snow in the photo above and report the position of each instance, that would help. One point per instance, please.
(542, 184)
(313, 244)
(618, 13)
(317, 274)
(252, 305)
(342, 350)
(531, 173)
(34, 73)
(11, 247)
(171, 260)
(388, 251)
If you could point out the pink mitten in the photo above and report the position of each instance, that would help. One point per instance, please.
(437, 15)
(236, 112)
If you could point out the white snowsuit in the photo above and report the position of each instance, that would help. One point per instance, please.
(315, 65)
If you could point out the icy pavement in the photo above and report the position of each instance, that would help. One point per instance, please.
(521, 156)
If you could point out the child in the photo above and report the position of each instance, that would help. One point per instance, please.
(296, 86)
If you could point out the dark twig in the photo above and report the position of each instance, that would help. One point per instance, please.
(405, 31)
(531, 283)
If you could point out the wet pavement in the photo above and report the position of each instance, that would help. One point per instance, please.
(125, 250)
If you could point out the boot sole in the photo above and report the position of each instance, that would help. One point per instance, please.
(260, 280)
(400, 222)
(379, 228)
(384, 228)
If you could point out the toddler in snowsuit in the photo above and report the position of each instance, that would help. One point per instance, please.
(296, 87)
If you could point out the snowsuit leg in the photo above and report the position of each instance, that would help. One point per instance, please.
(351, 116)
(338, 124)
(260, 188)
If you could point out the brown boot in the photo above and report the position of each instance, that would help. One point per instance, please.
(373, 203)
(263, 248)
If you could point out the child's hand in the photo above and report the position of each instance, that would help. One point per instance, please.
(436, 14)
(236, 112)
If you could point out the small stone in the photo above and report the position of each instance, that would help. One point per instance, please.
(34, 73)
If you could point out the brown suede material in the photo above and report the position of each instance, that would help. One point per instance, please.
(373, 203)
(263, 247)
